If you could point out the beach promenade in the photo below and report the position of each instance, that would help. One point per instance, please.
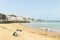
(25, 33)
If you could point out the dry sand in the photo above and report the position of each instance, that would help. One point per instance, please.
(28, 33)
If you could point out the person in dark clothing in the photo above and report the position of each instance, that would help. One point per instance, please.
(46, 29)
(15, 34)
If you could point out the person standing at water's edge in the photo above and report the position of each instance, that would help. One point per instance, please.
(46, 29)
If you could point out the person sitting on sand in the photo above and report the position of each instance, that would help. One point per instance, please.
(19, 30)
(15, 34)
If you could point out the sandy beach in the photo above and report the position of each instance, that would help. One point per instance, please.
(27, 33)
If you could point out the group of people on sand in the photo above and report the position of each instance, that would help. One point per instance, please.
(15, 33)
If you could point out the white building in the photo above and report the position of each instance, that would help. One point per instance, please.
(14, 18)
(20, 18)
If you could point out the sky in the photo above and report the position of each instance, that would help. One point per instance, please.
(38, 9)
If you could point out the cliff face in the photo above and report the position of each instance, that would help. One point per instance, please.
(3, 17)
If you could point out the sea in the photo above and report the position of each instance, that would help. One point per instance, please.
(50, 25)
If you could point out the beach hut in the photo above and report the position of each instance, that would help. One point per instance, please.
(3, 17)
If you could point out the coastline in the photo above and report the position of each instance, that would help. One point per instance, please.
(28, 33)
(54, 27)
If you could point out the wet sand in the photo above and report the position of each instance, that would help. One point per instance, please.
(28, 33)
